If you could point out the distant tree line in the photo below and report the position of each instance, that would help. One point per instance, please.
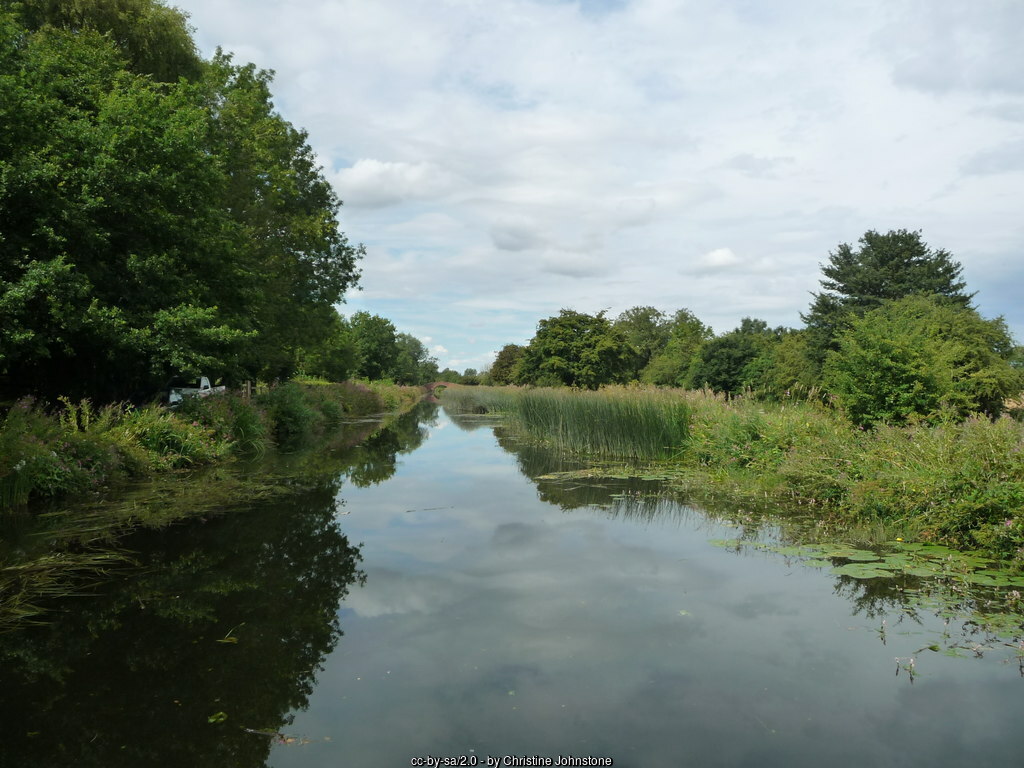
(369, 346)
(891, 336)
(158, 217)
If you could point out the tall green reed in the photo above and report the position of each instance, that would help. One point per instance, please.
(621, 422)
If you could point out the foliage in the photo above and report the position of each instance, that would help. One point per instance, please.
(81, 448)
(883, 268)
(960, 484)
(413, 364)
(450, 375)
(335, 357)
(672, 365)
(920, 356)
(646, 331)
(505, 365)
(575, 350)
(151, 229)
(376, 342)
(728, 363)
(785, 368)
(154, 38)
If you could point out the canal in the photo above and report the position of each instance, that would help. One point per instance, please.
(444, 590)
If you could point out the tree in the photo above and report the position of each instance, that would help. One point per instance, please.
(152, 229)
(376, 341)
(111, 265)
(575, 350)
(449, 375)
(883, 268)
(728, 363)
(154, 39)
(413, 363)
(295, 264)
(919, 356)
(335, 357)
(671, 366)
(505, 365)
(647, 331)
(785, 368)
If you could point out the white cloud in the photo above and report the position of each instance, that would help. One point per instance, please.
(502, 160)
(718, 260)
(374, 183)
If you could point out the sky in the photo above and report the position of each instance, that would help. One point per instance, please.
(504, 159)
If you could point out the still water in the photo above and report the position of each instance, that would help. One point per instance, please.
(425, 595)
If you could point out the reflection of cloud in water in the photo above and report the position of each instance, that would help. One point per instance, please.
(396, 592)
(612, 626)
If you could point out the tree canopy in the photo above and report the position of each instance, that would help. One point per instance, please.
(576, 350)
(151, 229)
(884, 267)
(919, 356)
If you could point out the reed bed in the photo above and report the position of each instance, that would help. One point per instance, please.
(956, 482)
(616, 422)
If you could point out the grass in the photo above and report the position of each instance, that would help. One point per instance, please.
(616, 422)
(78, 448)
(958, 483)
(48, 453)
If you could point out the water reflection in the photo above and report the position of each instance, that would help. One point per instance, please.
(200, 654)
(503, 611)
(944, 613)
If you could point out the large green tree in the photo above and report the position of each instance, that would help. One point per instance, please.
(576, 350)
(376, 340)
(672, 365)
(413, 364)
(647, 331)
(154, 39)
(919, 356)
(152, 229)
(504, 369)
(729, 363)
(882, 267)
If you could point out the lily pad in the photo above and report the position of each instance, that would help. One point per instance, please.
(850, 553)
(863, 570)
(921, 571)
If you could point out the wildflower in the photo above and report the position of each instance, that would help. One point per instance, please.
(1008, 523)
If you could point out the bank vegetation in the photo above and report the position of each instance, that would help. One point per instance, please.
(951, 480)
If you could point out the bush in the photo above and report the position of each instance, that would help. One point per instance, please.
(920, 357)
(231, 418)
(168, 440)
(291, 415)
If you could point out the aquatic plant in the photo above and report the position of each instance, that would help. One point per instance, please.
(625, 422)
(955, 482)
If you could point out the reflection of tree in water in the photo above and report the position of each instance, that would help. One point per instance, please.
(365, 454)
(876, 598)
(976, 619)
(470, 422)
(229, 615)
(376, 458)
(632, 498)
(233, 615)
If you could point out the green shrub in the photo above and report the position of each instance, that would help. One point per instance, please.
(921, 357)
(169, 440)
(291, 414)
(231, 418)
